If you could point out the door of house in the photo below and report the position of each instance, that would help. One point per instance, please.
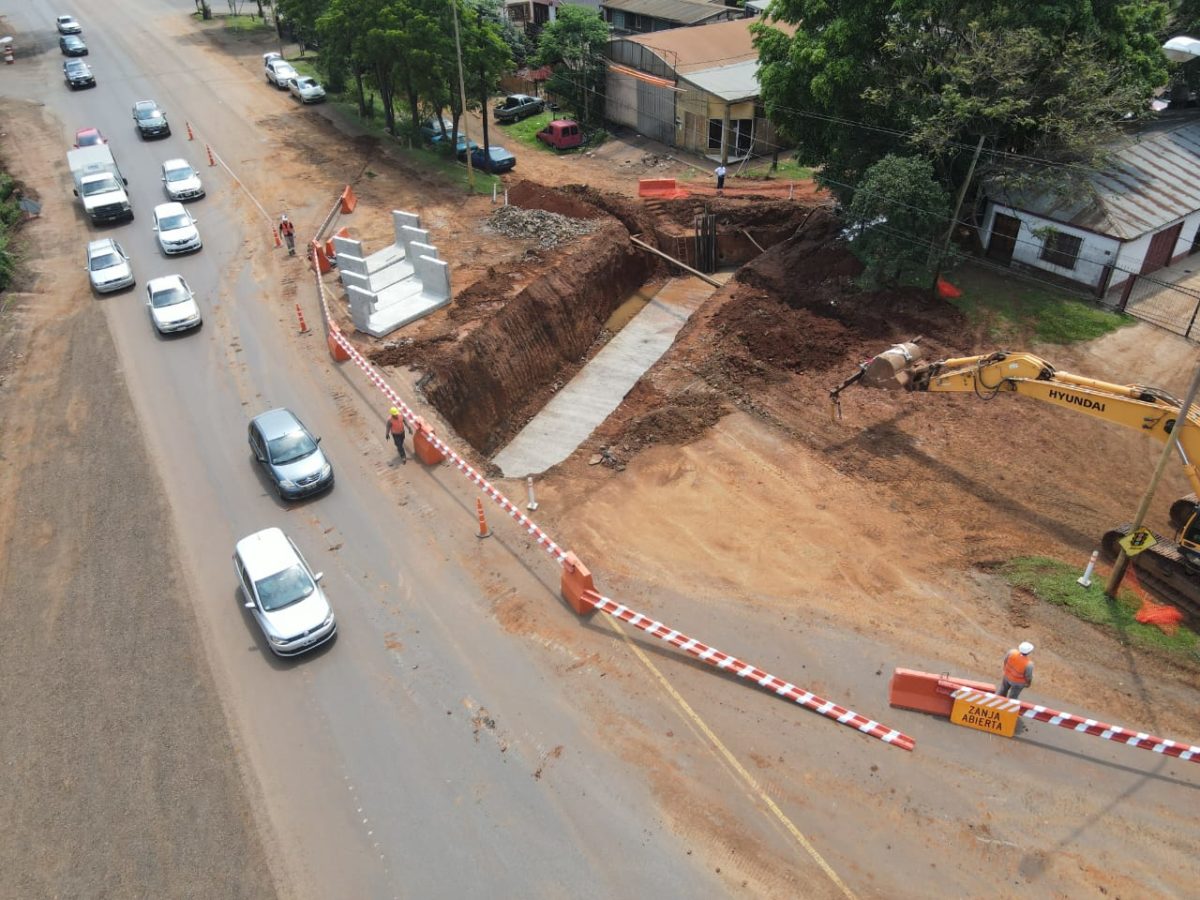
(1004, 238)
(1162, 245)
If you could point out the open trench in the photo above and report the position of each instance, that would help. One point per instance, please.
(512, 350)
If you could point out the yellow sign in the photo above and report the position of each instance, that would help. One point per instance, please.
(1137, 541)
(972, 715)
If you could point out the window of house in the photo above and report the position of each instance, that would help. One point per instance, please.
(1061, 249)
(741, 136)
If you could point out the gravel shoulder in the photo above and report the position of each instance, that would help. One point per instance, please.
(116, 753)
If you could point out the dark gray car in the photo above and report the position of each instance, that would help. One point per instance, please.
(289, 454)
(150, 120)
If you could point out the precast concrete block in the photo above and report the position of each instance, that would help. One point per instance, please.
(356, 264)
(362, 306)
(435, 277)
(401, 220)
(410, 235)
(347, 246)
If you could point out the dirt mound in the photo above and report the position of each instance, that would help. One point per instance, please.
(537, 196)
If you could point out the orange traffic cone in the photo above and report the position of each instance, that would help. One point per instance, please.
(484, 531)
(191, 137)
(211, 161)
(275, 231)
(300, 316)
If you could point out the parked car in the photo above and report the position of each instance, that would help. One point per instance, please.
(306, 89)
(270, 55)
(432, 130)
(68, 25)
(561, 134)
(278, 72)
(462, 147)
(72, 45)
(150, 120)
(78, 74)
(496, 161)
(89, 137)
(282, 593)
(172, 304)
(515, 107)
(176, 229)
(289, 454)
(181, 180)
(108, 267)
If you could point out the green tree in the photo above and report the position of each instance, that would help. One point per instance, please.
(896, 216)
(1051, 79)
(573, 44)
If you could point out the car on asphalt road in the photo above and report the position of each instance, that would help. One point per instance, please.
(68, 25)
(72, 45)
(306, 89)
(561, 134)
(78, 74)
(89, 137)
(150, 120)
(289, 454)
(176, 229)
(515, 107)
(497, 160)
(181, 180)
(282, 593)
(108, 266)
(278, 72)
(172, 304)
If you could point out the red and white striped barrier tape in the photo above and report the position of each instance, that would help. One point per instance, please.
(1139, 739)
(707, 654)
(717, 659)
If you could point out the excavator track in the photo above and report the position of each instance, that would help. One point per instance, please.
(1162, 570)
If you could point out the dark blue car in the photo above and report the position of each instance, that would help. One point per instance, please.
(497, 160)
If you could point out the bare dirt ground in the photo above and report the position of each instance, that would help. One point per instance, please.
(121, 778)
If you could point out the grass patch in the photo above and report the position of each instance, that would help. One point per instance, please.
(243, 23)
(755, 170)
(1055, 582)
(1011, 308)
(525, 131)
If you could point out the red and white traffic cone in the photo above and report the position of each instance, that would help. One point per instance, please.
(484, 531)
(211, 161)
(300, 316)
(191, 137)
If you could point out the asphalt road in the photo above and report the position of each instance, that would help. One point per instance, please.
(402, 760)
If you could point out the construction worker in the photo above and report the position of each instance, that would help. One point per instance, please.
(1018, 671)
(288, 230)
(395, 429)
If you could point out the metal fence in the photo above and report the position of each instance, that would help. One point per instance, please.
(1169, 306)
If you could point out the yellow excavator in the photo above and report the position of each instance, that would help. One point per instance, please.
(1171, 568)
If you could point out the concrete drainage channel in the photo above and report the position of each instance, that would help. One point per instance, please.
(491, 378)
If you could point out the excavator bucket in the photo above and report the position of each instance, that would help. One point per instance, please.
(890, 368)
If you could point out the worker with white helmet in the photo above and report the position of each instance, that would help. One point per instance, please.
(288, 230)
(1018, 671)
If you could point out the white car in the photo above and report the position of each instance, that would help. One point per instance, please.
(177, 231)
(68, 25)
(181, 180)
(172, 304)
(306, 89)
(279, 72)
(282, 593)
(108, 267)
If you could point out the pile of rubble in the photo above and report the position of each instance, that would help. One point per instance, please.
(547, 228)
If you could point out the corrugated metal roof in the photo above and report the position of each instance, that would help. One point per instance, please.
(736, 82)
(703, 47)
(1154, 180)
(689, 12)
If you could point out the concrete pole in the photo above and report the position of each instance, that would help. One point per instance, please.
(462, 91)
(1122, 563)
(725, 136)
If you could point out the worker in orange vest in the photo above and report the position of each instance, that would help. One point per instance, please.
(395, 430)
(288, 230)
(1018, 671)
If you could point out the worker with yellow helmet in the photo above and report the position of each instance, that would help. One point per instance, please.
(395, 430)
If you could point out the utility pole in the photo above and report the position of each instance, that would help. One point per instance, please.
(483, 95)
(1122, 563)
(958, 202)
(462, 92)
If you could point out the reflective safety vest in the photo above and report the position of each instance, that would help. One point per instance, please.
(395, 425)
(1015, 666)
(286, 227)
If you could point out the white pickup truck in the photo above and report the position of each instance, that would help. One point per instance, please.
(99, 184)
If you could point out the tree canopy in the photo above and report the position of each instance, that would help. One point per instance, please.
(573, 44)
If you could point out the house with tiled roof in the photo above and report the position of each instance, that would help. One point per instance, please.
(644, 16)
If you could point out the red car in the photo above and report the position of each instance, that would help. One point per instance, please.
(88, 137)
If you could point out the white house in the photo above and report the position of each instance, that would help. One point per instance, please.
(1139, 215)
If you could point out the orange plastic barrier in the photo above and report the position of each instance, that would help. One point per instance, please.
(349, 201)
(928, 693)
(330, 253)
(336, 350)
(426, 451)
(317, 253)
(659, 187)
(946, 290)
(576, 580)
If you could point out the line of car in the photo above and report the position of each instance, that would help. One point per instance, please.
(278, 586)
(281, 74)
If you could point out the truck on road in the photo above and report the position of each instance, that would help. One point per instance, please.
(99, 184)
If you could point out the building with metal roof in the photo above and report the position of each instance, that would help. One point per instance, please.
(694, 88)
(642, 16)
(1139, 214)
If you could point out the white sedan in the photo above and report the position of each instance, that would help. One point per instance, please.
(108, 267)
(181, 180)
(177, 231)
(172, 304)
(278, 72)
(306, 89)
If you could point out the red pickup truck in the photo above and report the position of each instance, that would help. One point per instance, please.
(561, 134)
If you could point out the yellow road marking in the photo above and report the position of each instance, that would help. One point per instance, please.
(732, 760)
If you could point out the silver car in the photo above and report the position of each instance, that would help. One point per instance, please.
(278, 72)
(67, 25)
(108, 267)
(172, 304)
(282, 593)
(177, 231)
(289, 454)
(181, 180)
(306, 89)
